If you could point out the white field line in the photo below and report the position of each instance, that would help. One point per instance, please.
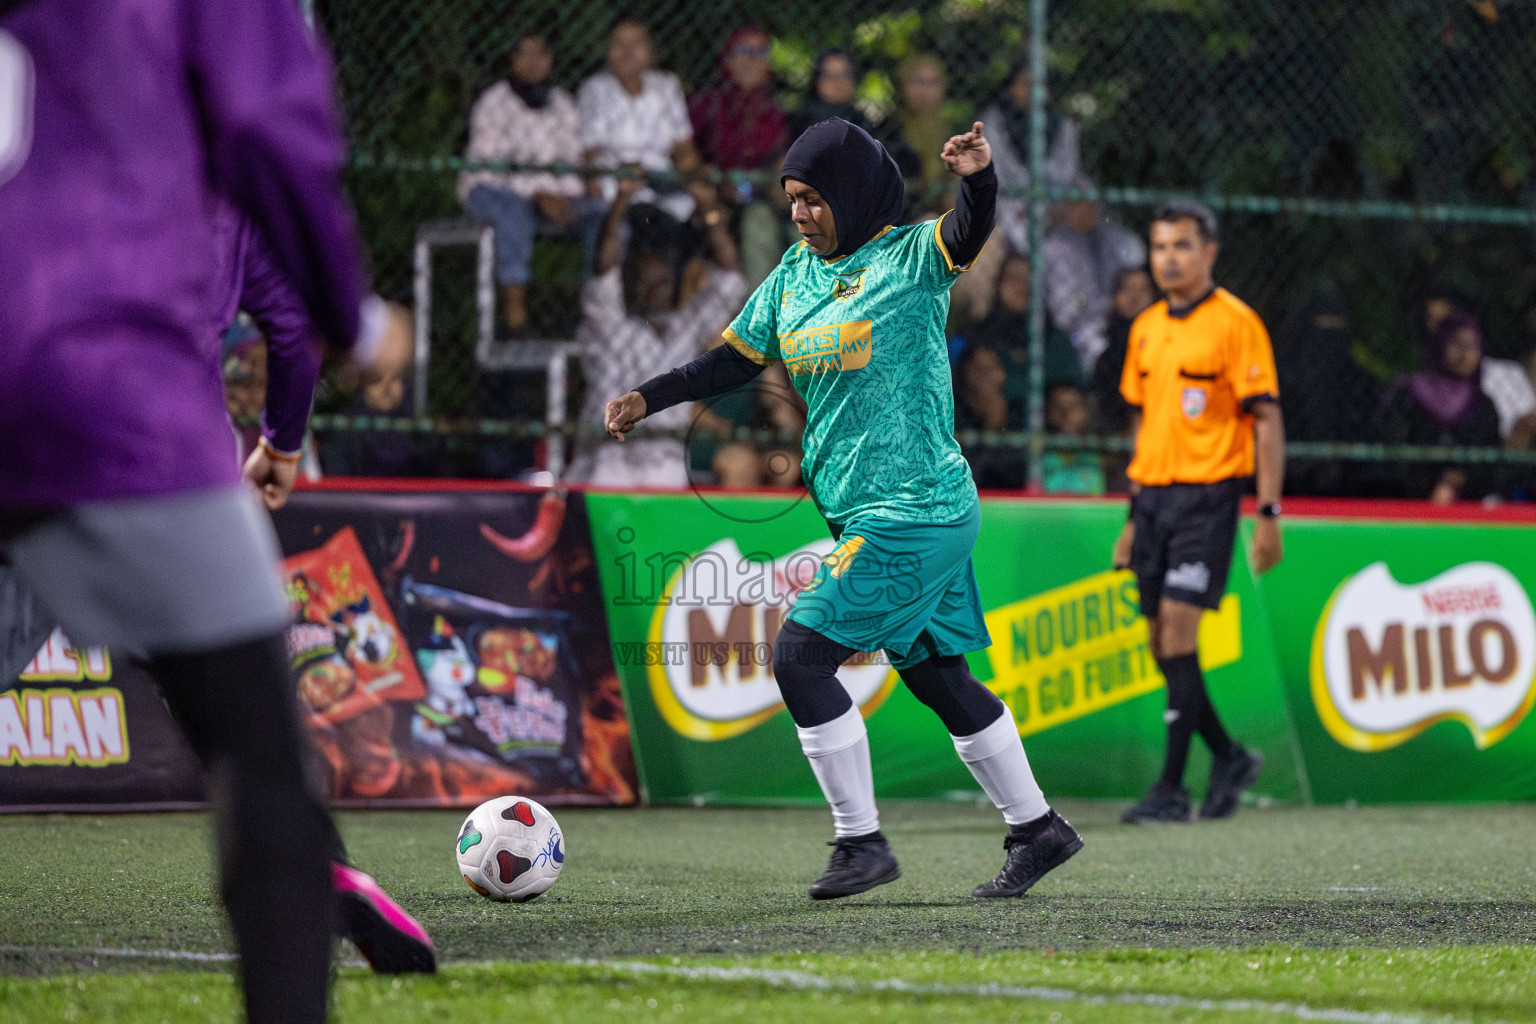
(142, 954)
(134, 954)
(801, 980)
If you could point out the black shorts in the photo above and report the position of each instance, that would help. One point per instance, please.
(1183, 543)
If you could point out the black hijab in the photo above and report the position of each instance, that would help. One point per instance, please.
(535, 95)
(853, 173)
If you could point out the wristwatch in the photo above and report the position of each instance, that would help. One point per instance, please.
(1270, 510)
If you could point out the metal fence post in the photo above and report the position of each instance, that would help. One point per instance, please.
(1037, 212)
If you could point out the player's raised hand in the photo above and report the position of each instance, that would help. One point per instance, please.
(621, 414)
(966, 154)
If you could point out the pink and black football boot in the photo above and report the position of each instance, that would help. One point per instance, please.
(389, 938)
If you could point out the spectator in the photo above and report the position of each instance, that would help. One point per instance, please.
(1134, 293)
(1007, 120)
(1325, 395)
(766, 232)
(1064, 471)
(523, 120)
(982, 403)
(245, 383)
(1503, 380)
(633, 114)
(1445, 405)
(836, 83)
(379, 452)
(1005, 331)
(920, 81)
(632, 328)
(1083, 254)
(738, 127)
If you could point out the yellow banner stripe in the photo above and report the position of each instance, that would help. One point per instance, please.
(1064, 654)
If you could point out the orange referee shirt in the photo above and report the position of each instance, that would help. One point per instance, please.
(1193, 376)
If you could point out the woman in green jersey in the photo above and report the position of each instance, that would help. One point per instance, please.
(856, 312)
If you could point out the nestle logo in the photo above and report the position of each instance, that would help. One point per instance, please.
(1461, 600)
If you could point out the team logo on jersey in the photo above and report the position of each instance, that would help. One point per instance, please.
(1194, 402)
(828, 348)
(846, 286)
(1391, 659)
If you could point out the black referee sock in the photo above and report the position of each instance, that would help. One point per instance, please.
(1185, 689)
(1211, 729)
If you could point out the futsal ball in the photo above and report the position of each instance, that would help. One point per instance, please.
(510, 849)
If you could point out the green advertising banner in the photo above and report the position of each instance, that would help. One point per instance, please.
(1409, 656)
(697, 587)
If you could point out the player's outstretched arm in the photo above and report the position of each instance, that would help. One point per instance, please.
(966, 229)
(716, 372)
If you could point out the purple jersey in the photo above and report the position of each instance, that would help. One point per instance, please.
(122, 122)
(254, 283)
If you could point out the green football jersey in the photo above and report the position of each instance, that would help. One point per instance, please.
(863, 340)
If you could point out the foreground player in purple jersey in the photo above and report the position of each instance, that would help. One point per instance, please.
(121, 128)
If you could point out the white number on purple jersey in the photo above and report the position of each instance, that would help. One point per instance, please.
(15, 105)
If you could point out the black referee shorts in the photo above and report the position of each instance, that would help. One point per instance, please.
(1183, 543)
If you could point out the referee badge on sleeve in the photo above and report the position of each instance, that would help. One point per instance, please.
(1193, 402)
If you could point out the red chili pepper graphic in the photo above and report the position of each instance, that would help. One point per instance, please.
(540, 538)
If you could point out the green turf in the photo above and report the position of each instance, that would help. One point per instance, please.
(1420, 910)
(1272, 984)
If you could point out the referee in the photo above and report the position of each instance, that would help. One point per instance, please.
(1201, 374)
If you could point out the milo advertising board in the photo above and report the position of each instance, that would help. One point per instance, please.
(698, 587)
(1409, 655)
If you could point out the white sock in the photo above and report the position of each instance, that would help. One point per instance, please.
(995, 755)
(839, 754)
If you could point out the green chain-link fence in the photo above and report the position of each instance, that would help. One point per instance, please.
(1361, 156)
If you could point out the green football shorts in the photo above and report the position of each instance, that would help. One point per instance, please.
(906, 588)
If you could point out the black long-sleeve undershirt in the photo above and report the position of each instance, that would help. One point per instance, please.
(966, 229)
(716, 372)
(724, 369)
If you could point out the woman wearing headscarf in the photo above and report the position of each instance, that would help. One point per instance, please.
(526, 121)
(835, 85)
(736, 124)
(1009, 116)
(1444, 404)
(856, 312)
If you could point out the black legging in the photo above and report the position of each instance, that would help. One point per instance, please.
(805, 663)
(239, 711)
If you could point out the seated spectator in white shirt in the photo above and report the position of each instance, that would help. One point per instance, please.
(1083, 255)
(633, 114)
(524, 120)
(633, 327)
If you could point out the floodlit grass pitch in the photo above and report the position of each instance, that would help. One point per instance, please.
(1332, 914)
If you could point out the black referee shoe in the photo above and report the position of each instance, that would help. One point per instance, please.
(1230, 776)
(1030, 857)
(859, 863)
(1163, 802)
